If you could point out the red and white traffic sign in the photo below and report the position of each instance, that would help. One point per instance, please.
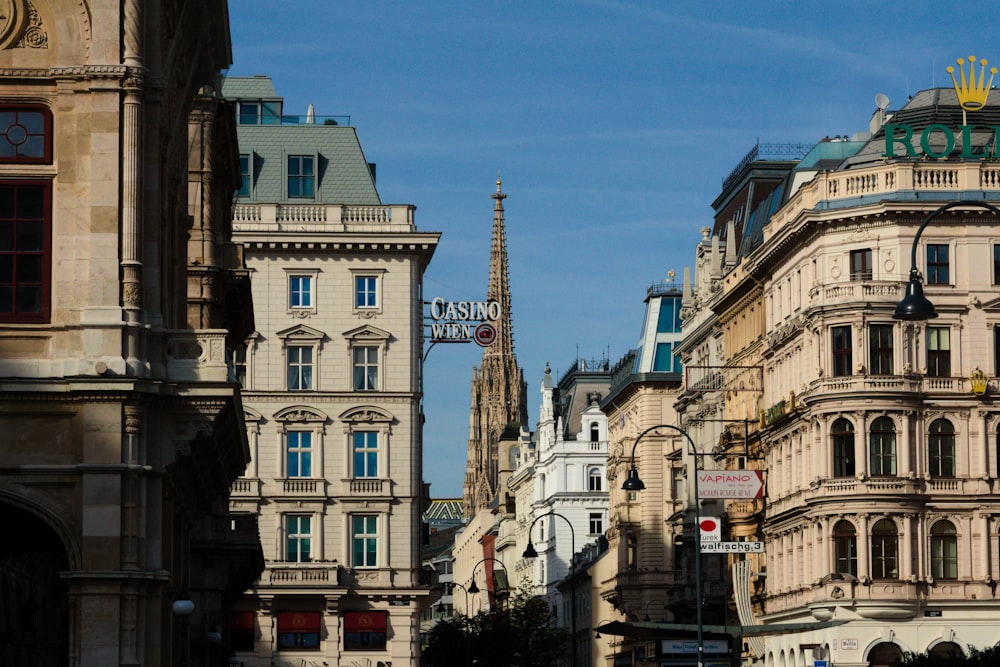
(711, 529)
(741, 484)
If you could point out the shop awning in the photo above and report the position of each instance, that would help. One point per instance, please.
(365, 621)
(656, 630)
(298, 621)
(241, 620)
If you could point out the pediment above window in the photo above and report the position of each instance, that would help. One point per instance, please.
(368, 414)
(367, 333)
(251, 415)
(300, 413)
(301, 332)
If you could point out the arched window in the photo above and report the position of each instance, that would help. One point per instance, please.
(845, 548)
(941, 448)
(944, 550)
(884, 654)
(882, 450)
(843, 448)
(947, 650)
(595, 432)
(594, 478)
(515, 454)
(885, 554)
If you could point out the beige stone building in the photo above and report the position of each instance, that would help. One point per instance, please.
(120, 293)
(879, 436)
(332, 389)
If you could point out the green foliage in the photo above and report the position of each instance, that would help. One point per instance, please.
(524, 634)
(988, 657)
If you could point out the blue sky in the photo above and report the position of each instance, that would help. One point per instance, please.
(612, 125)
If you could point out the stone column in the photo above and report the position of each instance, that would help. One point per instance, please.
(131, 186)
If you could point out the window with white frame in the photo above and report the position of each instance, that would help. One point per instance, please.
(367, 430)
(364, 540)
(365, 454)
(300, 291)
(298, 454)
(302, 347)
(365, 291)
(246, 175)
(299, 363)
(367, 285)
(298, 538)
(365, 368)
(596, 523)
(595, 480)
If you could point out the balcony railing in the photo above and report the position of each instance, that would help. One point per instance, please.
(322, 217)
(297, 486)
(369, 487)
(305, 575)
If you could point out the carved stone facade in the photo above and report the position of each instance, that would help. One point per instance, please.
(332, 389)
(122, 432)
(499, 394)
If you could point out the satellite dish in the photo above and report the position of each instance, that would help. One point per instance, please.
(882, 101)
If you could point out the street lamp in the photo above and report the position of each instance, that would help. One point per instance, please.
(475, 589)
(915, 306)
(182, 608)
(530, 552)
(633, 483)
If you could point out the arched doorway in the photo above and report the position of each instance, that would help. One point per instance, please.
(34, 610)
(884, 654)
(947, 650)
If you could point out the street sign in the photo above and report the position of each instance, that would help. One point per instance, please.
(737, 484)
(711, 529)
(732, 547)
(821, 663)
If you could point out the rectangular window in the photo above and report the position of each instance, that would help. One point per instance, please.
(937, 264)
(669, 319)
(841, 346)
(996, 352)
(245, 175)
(880, 349)
(298, 629)
(366, 368)
(996, 264)
(365, 630)
(239, 369)
(365, 540)
(365, 292)
(298, 538)
(300, 291)
(300, 368)
(665, 361)
(596, 523)
(298, 450)
(301, 177)
(25, 251)
(938, 352)
(365, 454)
(249, 113)
(861, 264)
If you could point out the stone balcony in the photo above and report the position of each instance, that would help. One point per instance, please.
(322, 218)
(197, 356)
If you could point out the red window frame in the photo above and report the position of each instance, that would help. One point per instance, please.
(10, 254)
(15, 134)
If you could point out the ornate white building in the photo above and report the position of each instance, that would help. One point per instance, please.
(332, 388)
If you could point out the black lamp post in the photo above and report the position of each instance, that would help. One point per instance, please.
(915, 306)
(182, 608)
(633, 483)
(452, 592)
(475, 589)
(530, 552)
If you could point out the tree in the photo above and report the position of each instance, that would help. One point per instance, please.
(988, 657)
(524, 634)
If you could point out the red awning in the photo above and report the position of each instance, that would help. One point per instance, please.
(365, 621)
(241, 620)
(298, 621)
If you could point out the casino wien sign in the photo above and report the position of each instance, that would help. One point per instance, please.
(464, 321)
(972, 93)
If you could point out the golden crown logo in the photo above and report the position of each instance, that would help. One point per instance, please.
(972, 94)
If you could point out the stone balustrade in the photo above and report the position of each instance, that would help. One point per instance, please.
(249, 217)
